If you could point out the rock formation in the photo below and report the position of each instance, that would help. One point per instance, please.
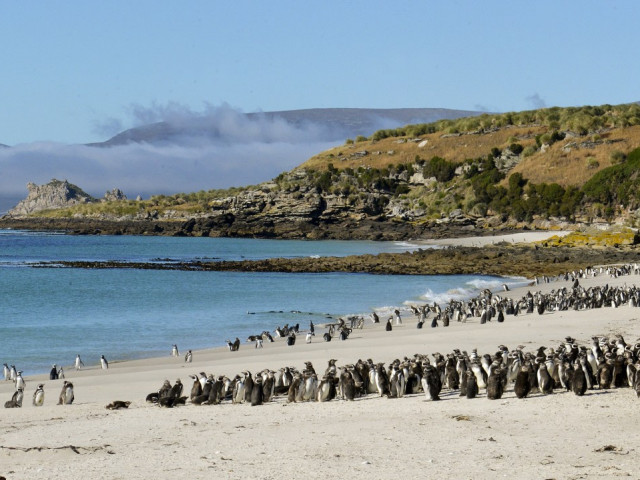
(55, 194)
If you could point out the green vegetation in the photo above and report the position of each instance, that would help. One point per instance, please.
(581, 120)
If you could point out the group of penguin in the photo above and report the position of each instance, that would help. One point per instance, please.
(66, 396)
(606, 363)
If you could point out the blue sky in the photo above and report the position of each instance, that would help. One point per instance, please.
(76, 71)
(73, 70)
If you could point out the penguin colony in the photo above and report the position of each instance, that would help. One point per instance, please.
(606, 363)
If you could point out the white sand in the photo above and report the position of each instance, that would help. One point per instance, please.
(553, 436)
(522, 237)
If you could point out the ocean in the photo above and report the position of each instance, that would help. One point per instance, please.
(48, 315)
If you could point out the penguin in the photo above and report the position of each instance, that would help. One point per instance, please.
(248, 386)
(238, 391)
(256, 392)
(38, 396)
(196, 388)
(268, 387)
(165, 390)
(636, 384)
(495, 387)
(66, 395)
(463, 384)
(103, 363)
(53, 374)
(579, 382)
(309, 337)
(545, 382)
(291, 339)
(16, 399)
(327, 389)
(188, 358)
(381, 380)
(174, 351)
(375, 318)
(472, 384)
(312, 328)
(348, 387)
(326, 337)
(78, 363)
(605, 375)
(13, 373)
(6, 372)
(431, 383)
(522, 386)
(388, 326)
(292, 393)
(117, 405)
(20, 383)
(176, 390)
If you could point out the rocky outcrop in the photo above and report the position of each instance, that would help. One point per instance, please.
(53, 195)
(114, 195)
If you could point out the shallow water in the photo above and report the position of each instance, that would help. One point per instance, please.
(49, 315)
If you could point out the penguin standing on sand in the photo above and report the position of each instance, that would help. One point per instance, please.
(472, 384)
(388, 327)
(38, 396)
(256, 392)
(78, 362)
(522, 386)
(16, 399)
(188, 358)
(20, 383)
(53, 374)
(174, 351)
(66, 395)
(6, 372)
(103, 363)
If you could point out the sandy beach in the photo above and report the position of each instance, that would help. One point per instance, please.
(559, 435)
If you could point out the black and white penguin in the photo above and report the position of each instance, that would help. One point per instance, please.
(248, 386)
(375, 318)
(78, 362)
(268, 387)
(388, 326)
(103, 363)
(308, 337)
(381, 380)
(326, 337)
(16, 399)
(53, 374)
(292, 392)
(174, 351)
(188, 358)
(38, 396)
(291, 339)
(196, 388)
(545, 382)
(326, 389)
(20, 383)
(6, 372)
(522, 385)
(66, 395)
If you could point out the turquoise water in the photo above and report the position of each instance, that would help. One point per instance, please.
(49, 315)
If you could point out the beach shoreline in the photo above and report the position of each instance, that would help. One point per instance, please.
(559, 435)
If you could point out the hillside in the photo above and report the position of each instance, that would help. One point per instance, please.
(549, 168)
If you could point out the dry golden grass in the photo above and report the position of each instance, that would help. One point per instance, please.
(573, 168)
(556, 165)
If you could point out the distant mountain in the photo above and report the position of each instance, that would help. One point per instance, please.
(334, 123)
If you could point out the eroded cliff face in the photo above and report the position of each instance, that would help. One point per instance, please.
(55, 194)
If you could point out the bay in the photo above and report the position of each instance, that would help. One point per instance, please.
(48, 315)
